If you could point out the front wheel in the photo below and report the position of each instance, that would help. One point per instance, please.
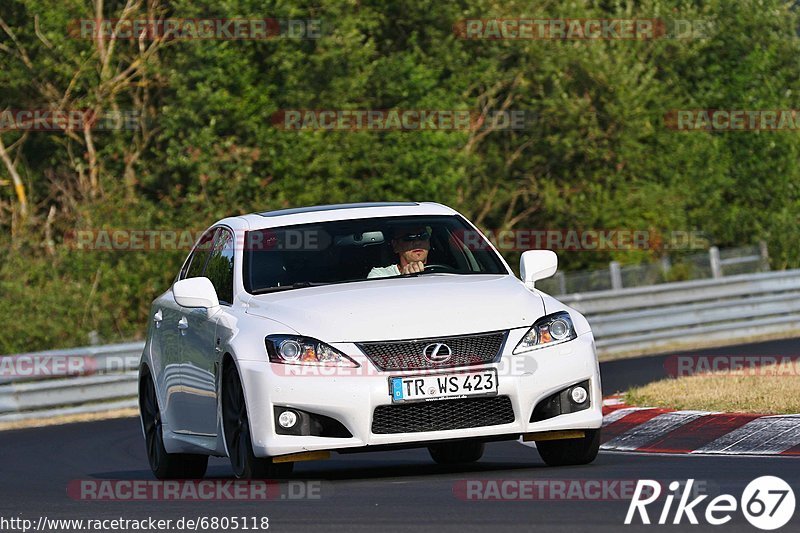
(452, 453)
(565, 452)
(236, 424)
(164, 465)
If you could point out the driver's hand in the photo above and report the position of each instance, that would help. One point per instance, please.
(413, 268)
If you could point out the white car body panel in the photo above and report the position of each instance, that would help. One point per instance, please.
(389, 309)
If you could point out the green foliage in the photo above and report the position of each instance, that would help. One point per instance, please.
(597, 156)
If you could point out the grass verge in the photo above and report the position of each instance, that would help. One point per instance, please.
(769, 389)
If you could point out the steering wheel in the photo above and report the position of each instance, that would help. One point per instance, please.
(438, 267)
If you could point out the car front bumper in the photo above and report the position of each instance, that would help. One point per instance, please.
(351, 397)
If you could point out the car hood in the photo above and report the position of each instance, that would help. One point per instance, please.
(431, 305)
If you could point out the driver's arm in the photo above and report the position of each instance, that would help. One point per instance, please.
(383, 272)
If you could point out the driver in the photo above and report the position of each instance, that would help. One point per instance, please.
(412, 246)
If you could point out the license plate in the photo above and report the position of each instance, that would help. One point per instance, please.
(440, 386)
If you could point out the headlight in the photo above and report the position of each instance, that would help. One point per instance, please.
(295, 350)
(547, 331)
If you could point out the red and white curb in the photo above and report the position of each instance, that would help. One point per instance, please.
(656, 430)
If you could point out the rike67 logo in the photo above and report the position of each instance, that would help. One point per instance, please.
(767, 503)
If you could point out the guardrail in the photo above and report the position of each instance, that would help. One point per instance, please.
(641, 320)
(711, 264)
(68, 382)
(692, 314)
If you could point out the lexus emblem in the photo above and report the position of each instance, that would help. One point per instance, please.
(437, 353)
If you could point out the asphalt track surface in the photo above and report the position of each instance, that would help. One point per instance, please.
(384, 491)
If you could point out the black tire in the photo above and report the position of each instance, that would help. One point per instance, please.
(164, 465)
(453, 453)
(236, 425)
(567, 452)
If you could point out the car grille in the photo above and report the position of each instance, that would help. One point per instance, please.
(467, 350)
(443, 415)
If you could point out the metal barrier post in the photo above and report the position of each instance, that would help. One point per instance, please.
(616, 275)
(713, 258)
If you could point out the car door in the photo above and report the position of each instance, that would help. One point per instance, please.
(201, 352)
(175, 330)
(167, 354)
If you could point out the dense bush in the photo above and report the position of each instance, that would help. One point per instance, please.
(598, 155)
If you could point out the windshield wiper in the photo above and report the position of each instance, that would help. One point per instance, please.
(298, 285)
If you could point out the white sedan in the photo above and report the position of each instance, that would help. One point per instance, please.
(288, 335)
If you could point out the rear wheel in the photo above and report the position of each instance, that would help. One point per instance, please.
(451, 453)
(164, 465)
(566, 452)
(244, 463)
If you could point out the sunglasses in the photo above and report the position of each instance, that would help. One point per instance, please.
(411, 237)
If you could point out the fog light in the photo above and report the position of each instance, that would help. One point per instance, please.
(287, 419)
(578, 394)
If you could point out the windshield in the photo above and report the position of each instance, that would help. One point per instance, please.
(357, 250)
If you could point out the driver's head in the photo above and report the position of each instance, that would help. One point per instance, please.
(411, 243)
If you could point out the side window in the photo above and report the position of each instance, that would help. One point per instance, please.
(220, 266)
(197, 261)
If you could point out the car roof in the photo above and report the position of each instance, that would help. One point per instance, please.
(327, 213)
(333, 207)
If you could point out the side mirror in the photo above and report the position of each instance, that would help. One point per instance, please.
(195, 292)
(537, 264)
